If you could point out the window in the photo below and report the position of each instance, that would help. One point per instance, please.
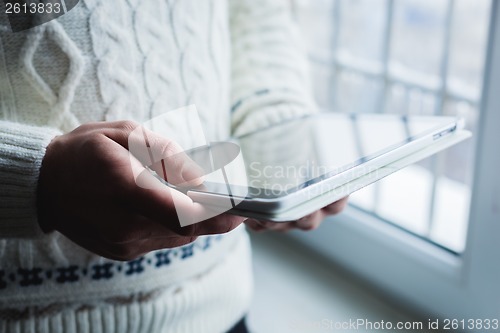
(432, 244)
(408, 57)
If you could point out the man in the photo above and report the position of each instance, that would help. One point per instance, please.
(83, 247)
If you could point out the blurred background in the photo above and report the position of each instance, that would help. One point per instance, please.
(419, 57)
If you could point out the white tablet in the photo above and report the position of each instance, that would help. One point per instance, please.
(295, 168)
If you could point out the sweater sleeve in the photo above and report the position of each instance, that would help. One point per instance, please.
(270, 79)
(22, 148)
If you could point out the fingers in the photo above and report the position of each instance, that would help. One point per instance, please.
(307, 223)
(310, 222)
(140, 235)
(165, 157)
(127, 236)
(157, 152)
(130, 251)
(168, 207)
(336, 207)
(255, 225)
(139, 248)
(126, 228)
(219, 224)
(111, 213)
(153, 199)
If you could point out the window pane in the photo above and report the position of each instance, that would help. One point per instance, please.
(356, 92)
(418, 34)
(316, 20)
(468, 44)
(362, 28)
(449, 227)
(404, 198)
(435, 53)
(321, 84)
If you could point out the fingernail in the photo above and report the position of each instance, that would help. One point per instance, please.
(192, 171)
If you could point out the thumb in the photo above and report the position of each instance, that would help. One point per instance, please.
(164, 156)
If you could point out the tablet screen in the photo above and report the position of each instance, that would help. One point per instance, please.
(282, 159)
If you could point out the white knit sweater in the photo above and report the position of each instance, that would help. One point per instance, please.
(237, 60)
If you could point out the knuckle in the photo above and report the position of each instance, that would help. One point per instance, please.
(92, 145)
(310, 227)
(95, 150)
(189, 231)
(338, 208)
(93, 140)
(164, 148)
(227, 224)
(117, 236)
(84, 128)
(184, 241)
(127, 125)
(125, 252)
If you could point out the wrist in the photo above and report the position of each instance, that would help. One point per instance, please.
(44, 188)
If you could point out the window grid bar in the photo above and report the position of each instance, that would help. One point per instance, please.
(335, 46)
(386, 53)
(360, 70)
(445, 60)
(438, 162)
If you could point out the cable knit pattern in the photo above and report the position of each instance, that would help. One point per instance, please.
(134, 59)
(58, 101)
(268, 66)
(160, 66)
(115, 50)
(151, 19)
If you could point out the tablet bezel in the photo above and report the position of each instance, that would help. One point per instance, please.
(306, 207)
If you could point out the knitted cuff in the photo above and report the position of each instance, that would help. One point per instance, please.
(22, 148)
(264, 111)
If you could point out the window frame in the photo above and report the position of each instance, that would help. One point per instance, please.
(434, 281)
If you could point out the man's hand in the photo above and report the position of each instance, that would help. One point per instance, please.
(88, 191)
(309, 222)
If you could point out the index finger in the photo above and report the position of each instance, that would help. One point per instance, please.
(158, 152)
